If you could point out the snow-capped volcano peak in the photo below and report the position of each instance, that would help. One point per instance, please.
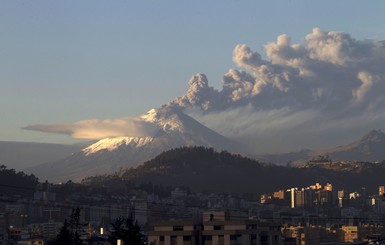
(111, 144)
(173, 129)
(166, 118)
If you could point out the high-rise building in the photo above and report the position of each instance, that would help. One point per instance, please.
(381, 190)
(341, 197)
(292, 197)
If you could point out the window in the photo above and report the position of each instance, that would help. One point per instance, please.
(186, 238)
(173, 240)
(235, 237)
(276, 238)
(161, 240)
(177, 228)
(253, 239)
(264, 239)
(218, 227)
(221, 240)
(252, 227)
(207, 238)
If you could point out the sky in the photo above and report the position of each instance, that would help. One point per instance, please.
(62, 62)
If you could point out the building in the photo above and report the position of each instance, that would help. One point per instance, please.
(341, 198)
(349, 234)
(175, 232)
(44, 196)
(215, 229)
(381, 190)
(299, 198)
(309, 235)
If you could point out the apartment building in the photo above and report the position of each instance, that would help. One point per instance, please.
(215, 228)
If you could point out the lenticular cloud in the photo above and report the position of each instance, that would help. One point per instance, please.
(98, 129)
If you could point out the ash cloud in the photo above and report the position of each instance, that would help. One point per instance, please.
(326, 90)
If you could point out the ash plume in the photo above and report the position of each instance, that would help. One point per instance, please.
(323, 91)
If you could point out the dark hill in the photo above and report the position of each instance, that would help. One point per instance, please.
(16, 183)
(203, 169)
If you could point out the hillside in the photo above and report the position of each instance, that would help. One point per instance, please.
(204, 169)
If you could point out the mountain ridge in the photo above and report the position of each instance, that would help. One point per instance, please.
(369, 148)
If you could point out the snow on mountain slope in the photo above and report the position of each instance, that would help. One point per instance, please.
(175, 129)
(111, 144)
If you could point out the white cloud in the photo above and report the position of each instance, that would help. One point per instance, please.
(99, 129)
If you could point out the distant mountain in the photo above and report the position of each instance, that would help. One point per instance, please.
(175, 129)
(21, 155)
(371, 147)
(285, 159)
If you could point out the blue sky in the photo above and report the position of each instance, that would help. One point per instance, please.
(65, 61)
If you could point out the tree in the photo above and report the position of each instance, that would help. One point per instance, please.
(69, 233)
(64, 236)
(127, 230)
(74, 226)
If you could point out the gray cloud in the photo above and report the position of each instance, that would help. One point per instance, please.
(326, 90)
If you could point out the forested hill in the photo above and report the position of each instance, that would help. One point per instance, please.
(16, 183)
(201, 169)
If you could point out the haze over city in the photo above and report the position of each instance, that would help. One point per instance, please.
(290, 74)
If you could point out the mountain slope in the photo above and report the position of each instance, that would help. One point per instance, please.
(370, 147)
(175, 129)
